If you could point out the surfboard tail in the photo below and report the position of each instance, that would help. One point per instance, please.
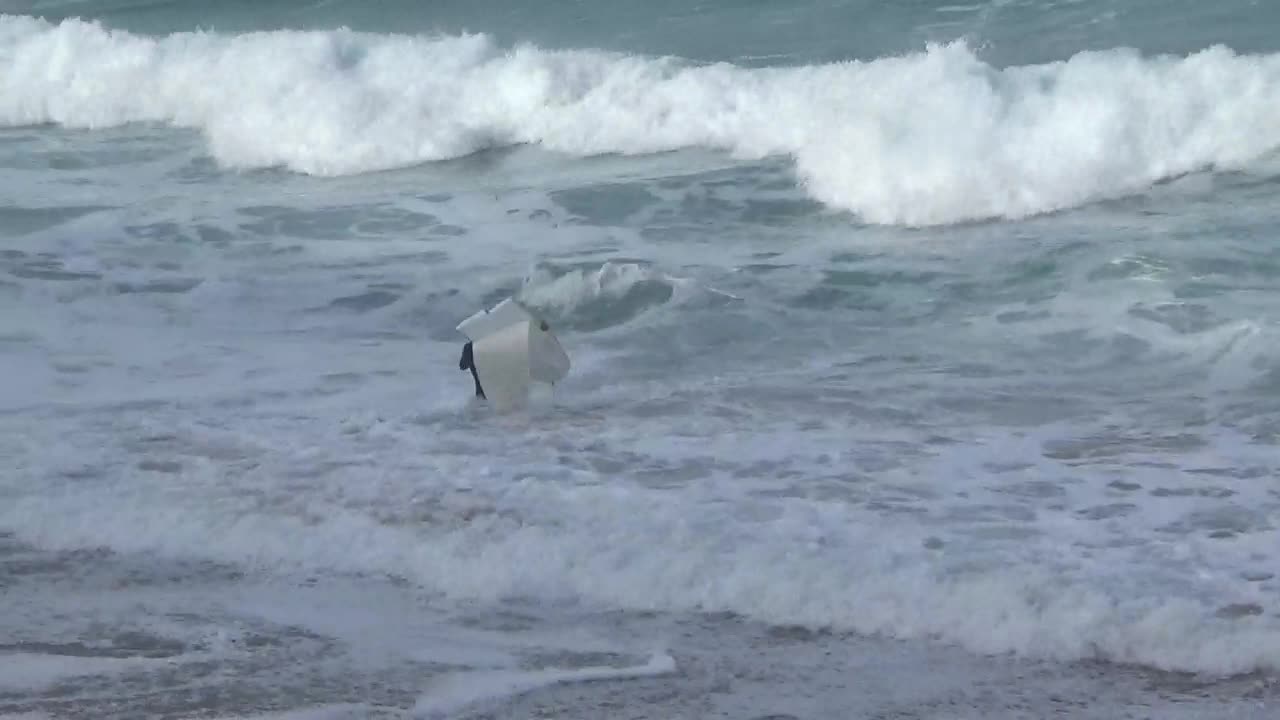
(512, 348)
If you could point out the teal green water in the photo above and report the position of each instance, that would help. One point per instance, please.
(947, 324)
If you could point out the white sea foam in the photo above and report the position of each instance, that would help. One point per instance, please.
(932, 137)
(781, 525)
(1052, 582)
(568, 293)
(464, 690)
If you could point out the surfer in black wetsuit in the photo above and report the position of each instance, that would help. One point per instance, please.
(467, 362)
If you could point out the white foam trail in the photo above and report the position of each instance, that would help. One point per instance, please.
(932, 137)
(459, 691)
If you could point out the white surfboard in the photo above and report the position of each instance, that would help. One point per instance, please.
(512, 348)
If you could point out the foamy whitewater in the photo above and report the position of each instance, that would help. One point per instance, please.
(924, 360)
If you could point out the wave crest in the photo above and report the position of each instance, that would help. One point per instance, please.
(929, 138)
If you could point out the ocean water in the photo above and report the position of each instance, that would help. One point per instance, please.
(926, 360)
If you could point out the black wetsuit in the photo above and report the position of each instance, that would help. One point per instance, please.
(468, 363)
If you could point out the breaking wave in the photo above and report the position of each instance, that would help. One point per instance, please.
(933, 137)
